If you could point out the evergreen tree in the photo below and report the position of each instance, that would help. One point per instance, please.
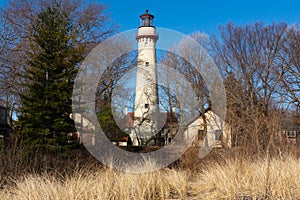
(46, 105)
(109, 125)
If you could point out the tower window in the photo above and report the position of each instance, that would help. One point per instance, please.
(147, 64)
(146, 105)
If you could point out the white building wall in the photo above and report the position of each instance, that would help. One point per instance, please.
(214, 124)
(146, 83)
(146, 109)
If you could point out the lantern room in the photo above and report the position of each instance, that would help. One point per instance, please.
(146, 19)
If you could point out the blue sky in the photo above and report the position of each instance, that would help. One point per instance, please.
(187, 16)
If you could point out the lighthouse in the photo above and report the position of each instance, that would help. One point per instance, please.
(146, 106)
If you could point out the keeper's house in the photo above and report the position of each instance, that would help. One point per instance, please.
(213, 132)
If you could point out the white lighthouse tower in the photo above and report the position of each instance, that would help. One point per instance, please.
(146, 109)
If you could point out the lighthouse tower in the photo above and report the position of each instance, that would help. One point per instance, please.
(146, 109)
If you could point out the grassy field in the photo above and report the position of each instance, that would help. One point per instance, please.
(221, 178)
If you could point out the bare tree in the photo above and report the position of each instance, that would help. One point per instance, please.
(115, 69)
(8, 74)
(250, 59)
(291, 58)
(89, 23)
(182, 65)
(187, 91)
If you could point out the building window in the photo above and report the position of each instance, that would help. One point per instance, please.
(147, 64)
(218, 135)
(201, 135)
(147, 105)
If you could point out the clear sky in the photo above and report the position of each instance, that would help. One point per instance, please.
(188, 16)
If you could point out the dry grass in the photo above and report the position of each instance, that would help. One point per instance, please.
(243, 179)
(223, 174)
(105, 184)
(235, 179)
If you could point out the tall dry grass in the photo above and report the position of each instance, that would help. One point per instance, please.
(104, 184)
(223, 174)
(256, 179)
(233, 179)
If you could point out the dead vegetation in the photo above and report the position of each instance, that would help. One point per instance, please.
(222, 174)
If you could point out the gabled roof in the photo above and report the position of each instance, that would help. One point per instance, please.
(197, 117)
